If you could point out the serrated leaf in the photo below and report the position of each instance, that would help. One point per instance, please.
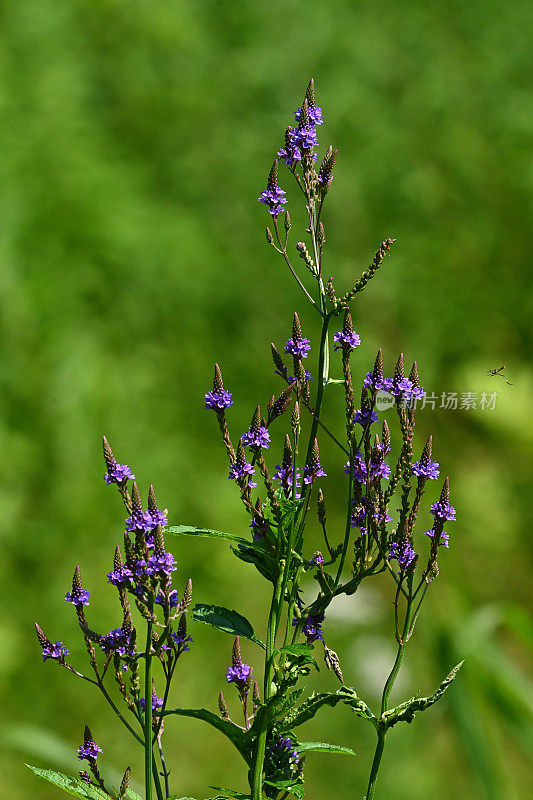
(309, 708)
(239, 738)
(230, 793)
(323, 747)
(74, 786)
(190, 530)
(406, 711)
(226, 620)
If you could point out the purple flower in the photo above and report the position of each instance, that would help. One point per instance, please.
(285, 746)
(292, 378)
(443, 540)
(313, 471)
(239, 469)
(363, 416)
(361, 513)
(218, 399)
(426, 469)
(118, 473)
(362, 474)
(402, 552)
(305, 138)
(376, 381)
(402, 388)
(56, 650)
(84, 775)
(274, 198)
(256, 437)
(117, 641)
(180, 639)
(157, 703)
(443, 510)
(349, 340)
(298, 346)
(160, 564)
(259, 527)
(312, 628)
(318, 558)
(78, 597)
(89, 749)
(238, 673)
(315, 114)
(120, 576)
(146, 521)
(173, 599)
(285, 474)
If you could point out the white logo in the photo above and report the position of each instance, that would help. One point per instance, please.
(384, 400)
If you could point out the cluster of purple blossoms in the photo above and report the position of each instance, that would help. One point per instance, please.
(443, 510)
(239, 469)
(346, 339)
(274, 198)
(173, 599)
(55, 650)
(362, 474)
(363, 415)
(314, 113)
(285, 747)
(118, 473)
(157, 703)
(120, 576)
(300, 141)
(443, 540)
(298, 346)
(318, 558)
(218, 399)
(313, 471)
(312, 628)
(89, 749)
(180, 640)
(118, 641)
(402, 552)
(159, 564)
(146, 521)
(362, 509)
(285, 474)
(238, 673)
(260, 527)
(426, 469)
(256, 437)
(78, 597)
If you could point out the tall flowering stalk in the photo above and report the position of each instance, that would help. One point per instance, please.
(280, 475)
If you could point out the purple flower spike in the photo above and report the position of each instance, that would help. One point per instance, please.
(312, 628)
(239, 469)
(217, 400)
(56, 651)
(120, 576)
(180, 639)
(444, 537)
(258, 437)
(285, 747)
(362, 474)
(78, 597)
(119, 473)
(238, 673)
(173, 599)
(349, 340)
(157, 703)
(318, 558)
(89, 749)
(426, 469)
(315, 114)
(363, 416)
(402, 552)
(443, 510)
(298, 346)
(273, 196)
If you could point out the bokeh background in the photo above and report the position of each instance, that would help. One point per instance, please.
(136, 138)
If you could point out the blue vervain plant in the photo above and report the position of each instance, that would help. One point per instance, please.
(142, 654)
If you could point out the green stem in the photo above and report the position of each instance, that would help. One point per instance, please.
(259, 758)
(375, 764)
(148, 753)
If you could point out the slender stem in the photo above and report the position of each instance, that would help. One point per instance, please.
(163, 764)
(375, 764)
(148, 772)
(259, 756)
(400, 654)
(117, 712)
(283, 252)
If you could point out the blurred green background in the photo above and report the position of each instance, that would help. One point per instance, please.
(136, 138)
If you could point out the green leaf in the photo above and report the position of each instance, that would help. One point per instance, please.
(189, 530)
(323, 747)
(240, 739)
(296, 649)
(230, 793)
(134, 796)
(74, 786)
(226, 620)
(406, 711)
(309, 708)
